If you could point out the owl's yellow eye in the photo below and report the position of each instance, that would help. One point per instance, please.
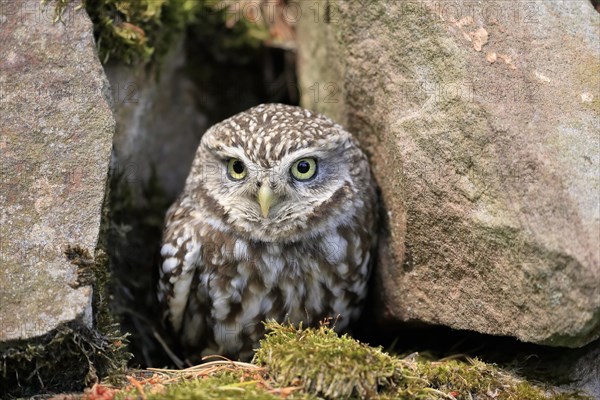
(304, 169)
(236, 169)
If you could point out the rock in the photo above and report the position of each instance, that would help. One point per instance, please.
(583, 372)
(481, 121)
(57, 127)
(158, 125)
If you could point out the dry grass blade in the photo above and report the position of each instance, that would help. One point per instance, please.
(209, 367)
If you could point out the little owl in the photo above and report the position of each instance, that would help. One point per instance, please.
(276, 221)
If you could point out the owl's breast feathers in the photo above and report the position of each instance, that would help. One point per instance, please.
(218, 286)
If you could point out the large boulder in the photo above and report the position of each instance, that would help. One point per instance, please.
(481, 120)
(56, 129)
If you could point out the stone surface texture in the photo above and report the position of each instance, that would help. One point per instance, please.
(482, 123)
(158, 125)
(56, 129)
(585, 373)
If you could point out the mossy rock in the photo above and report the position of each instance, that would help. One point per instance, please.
(141, 31)
(56, 332)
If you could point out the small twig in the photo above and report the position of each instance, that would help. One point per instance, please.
(206, 366)
(167, 350)
(215, 356)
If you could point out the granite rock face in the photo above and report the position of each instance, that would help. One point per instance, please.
(56, 129)
(481, 121)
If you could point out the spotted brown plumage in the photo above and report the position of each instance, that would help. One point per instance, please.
(276, 221)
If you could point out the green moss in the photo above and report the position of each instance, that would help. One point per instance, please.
(317, 363)
(325, 363)
(106, 321)
(142, 31)
(330, 366)
(68, 359)
(475, 378)
(217, 387)
(135, 31)
(221, 385)
(85, 264)
(59, 9)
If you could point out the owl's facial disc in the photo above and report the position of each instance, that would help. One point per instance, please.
(294, 174)
(280, 199)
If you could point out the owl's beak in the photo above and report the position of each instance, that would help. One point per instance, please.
(265, 199)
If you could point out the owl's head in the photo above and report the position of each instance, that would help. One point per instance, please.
(279, 173)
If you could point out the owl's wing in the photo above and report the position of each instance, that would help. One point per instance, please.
(181, 261)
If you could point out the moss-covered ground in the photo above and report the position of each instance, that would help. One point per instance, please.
(317, 363)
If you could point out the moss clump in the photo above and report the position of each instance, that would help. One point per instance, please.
(476, 379)
(330, 366)
(220, 385)
(66, 360)
(140, 31)
(326, 364)
(135, 31)
(85, 265)
(222, 379)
